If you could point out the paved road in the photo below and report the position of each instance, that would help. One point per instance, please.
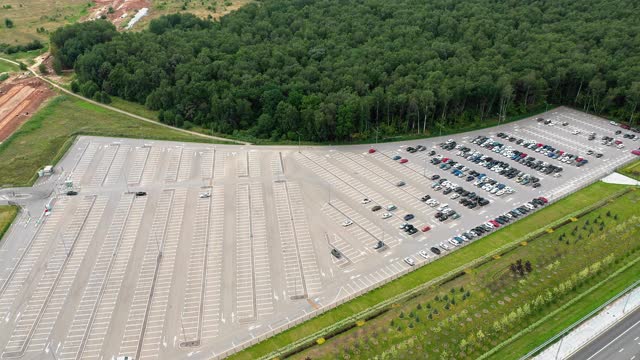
(55, 85)
(621, 342)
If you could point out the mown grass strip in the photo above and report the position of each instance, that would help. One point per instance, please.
(7, 215)
(462, 258)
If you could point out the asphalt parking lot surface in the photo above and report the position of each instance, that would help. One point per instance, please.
(174, 250)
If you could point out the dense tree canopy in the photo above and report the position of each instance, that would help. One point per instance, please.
(335, 70)
(69, 42)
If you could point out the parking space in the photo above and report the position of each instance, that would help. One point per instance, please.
(139, 309)
(173, 163)
(34, 326)
(208, 254)
(151, 166)
(117, 165)
(242, 164)
(86, 159)
(140, 156)
(253, 280)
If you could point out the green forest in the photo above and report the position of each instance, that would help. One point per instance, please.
(336, 70)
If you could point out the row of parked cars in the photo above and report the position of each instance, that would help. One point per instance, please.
(498, 221)
(495, 165)
(466, 198)
(482, 229)
(480, 180)
(548, 151)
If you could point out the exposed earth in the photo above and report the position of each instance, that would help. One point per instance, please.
(20, 97)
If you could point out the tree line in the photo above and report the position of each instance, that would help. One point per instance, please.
(340, 70)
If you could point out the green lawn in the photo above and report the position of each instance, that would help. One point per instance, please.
(459, 258)
(573, 313)
(7, 67)
(7, 214)
(632, 170)
(45, 137)
(133, 108)
(461, 319)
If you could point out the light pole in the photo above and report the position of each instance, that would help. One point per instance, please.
(298, 141)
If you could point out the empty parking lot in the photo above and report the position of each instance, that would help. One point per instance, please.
(228, 243)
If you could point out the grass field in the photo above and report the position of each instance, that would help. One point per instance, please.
(632, 170)
(7, 67)
(7, 214)
(459, 258)
(29, 15)
(469, 316)
(45, 138)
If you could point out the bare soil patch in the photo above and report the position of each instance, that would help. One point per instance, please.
(19, 98)
(123, 10)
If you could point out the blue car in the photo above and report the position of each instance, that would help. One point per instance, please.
(397, 157)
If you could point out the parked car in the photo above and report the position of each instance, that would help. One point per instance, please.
(347, 223)
(426, 228)
(372, 150)
(141, 193)
(402, 161)
(72, 193)
(408, 217)
(423, 253)
(435, 250)
(336, 253)
(376, 208)
(409, 261)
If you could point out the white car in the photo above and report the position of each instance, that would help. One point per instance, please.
(347, 223)
(205, 195)
(613, 123)
(409, 261)
(442, 207)
(455, 196)
(576, 132)
(444, 246)
(386, 215)
(423, 253)
(365, 201)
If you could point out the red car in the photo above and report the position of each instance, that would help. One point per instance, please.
(539, 145)
(372, 150)
(495, 223)
(636, 152)
(618, 142)
(544, 199)
(426, 228)
(402, 161)
(625, 126)
(444, 160)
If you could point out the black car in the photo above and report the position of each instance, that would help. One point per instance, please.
(72, 193)
(435, 177)
(425, 198)
(435, 250)
(408, 217)
(376, 208)
(141, 193)
(336, 253)
(379, 245)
